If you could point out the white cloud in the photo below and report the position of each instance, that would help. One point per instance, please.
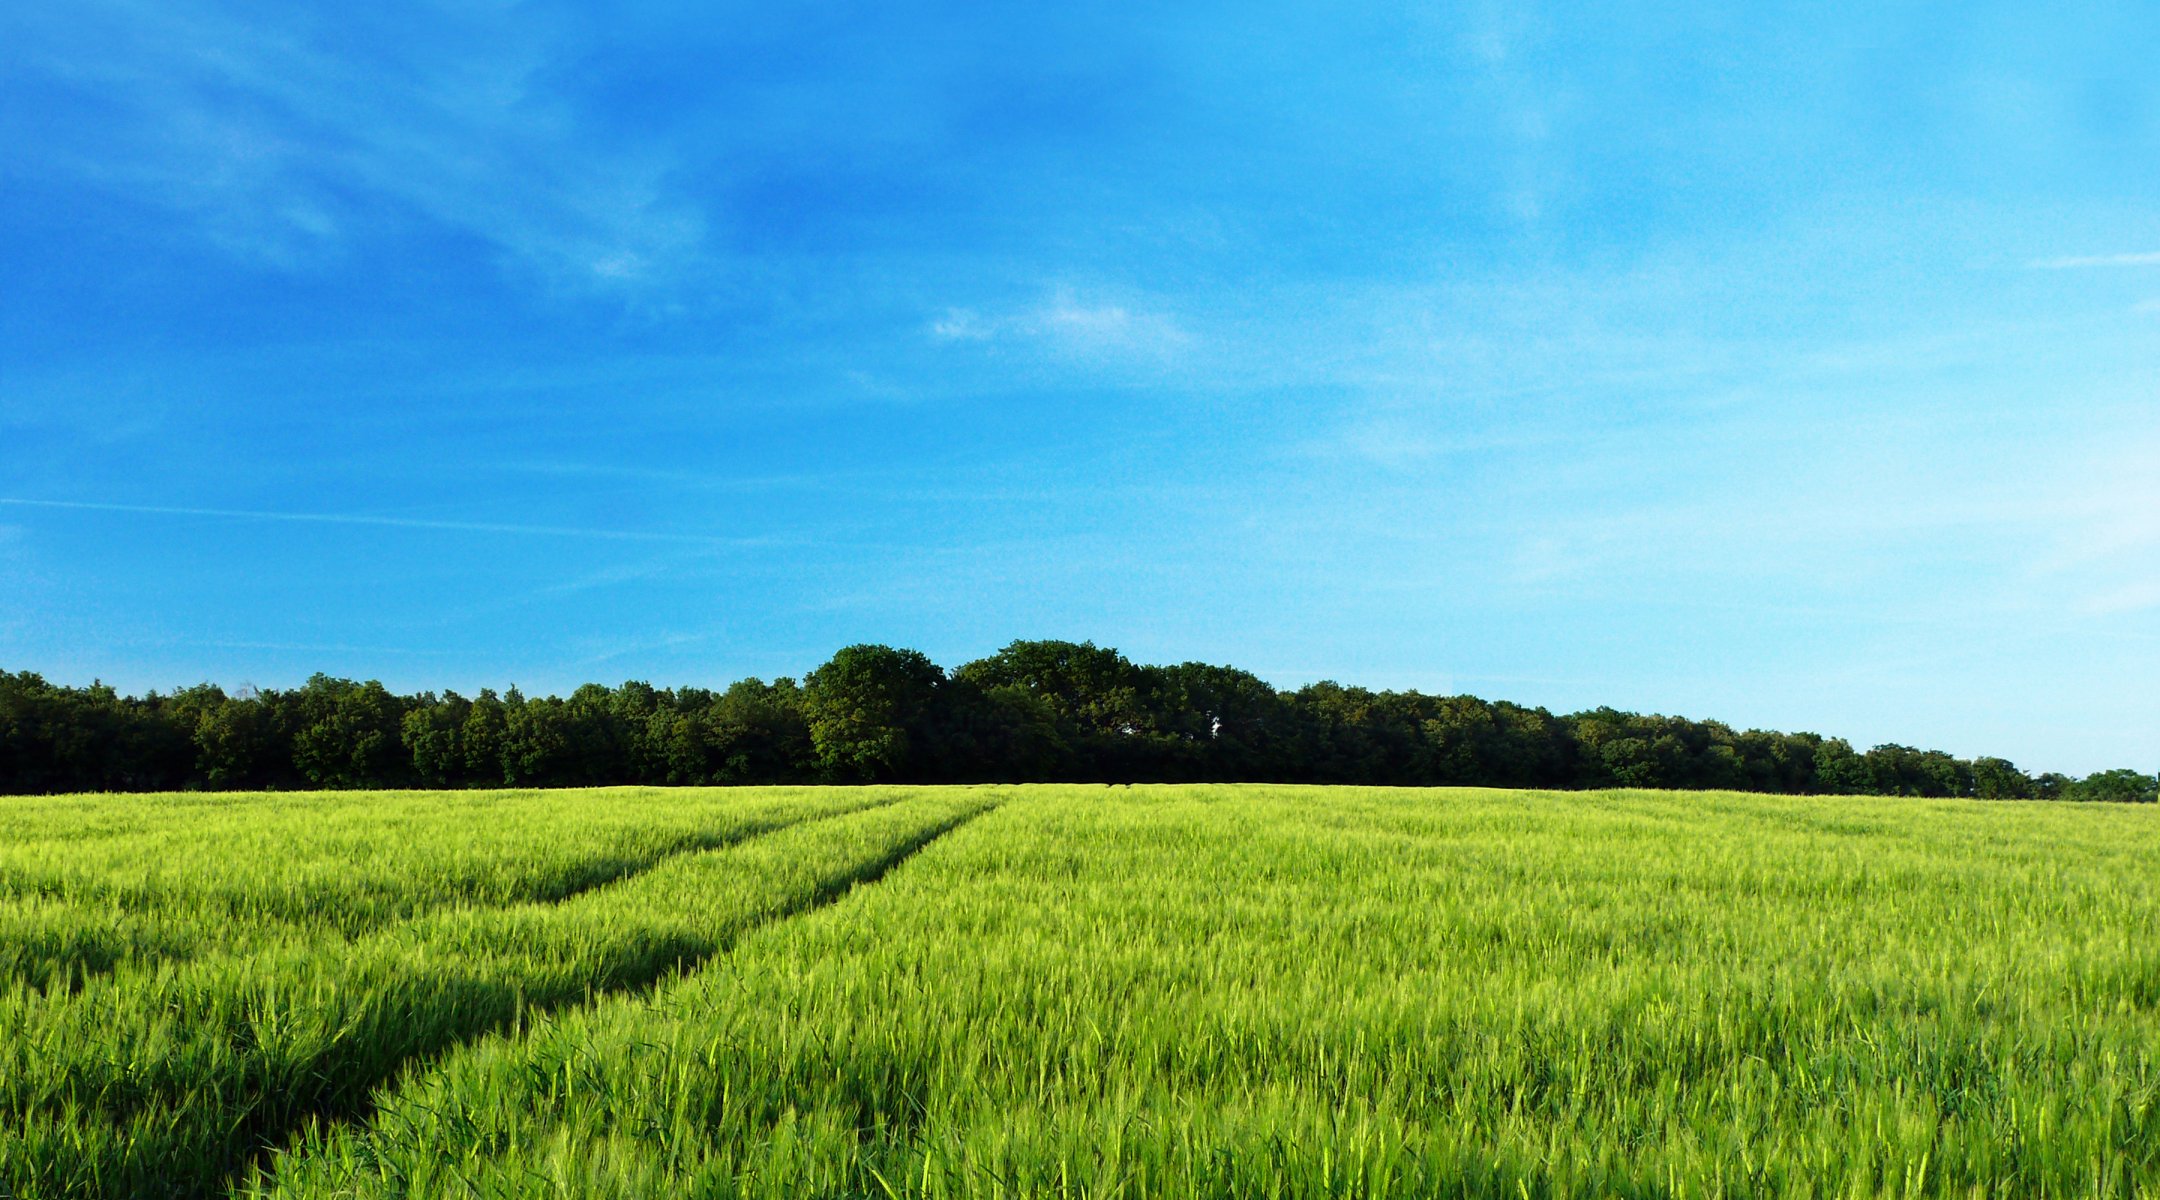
(1065, 322)
(962, 325)
(1077, 325)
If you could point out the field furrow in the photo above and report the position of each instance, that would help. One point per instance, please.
(167, 1080)
(161, 894)
(1241, 992)
(1118, 992)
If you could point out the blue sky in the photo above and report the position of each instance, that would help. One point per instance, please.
(1793, 365)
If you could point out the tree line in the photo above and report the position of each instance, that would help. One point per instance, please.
(1034, 711)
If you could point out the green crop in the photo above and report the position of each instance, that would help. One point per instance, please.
(163, 1078)
(1152, 991)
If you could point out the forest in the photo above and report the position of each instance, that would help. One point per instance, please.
(1035, 711)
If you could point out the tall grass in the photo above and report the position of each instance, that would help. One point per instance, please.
(1078, 992)
(1243, 992)
(87, 881)
(163, 1078)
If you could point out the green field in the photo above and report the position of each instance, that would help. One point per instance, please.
(1076, 991)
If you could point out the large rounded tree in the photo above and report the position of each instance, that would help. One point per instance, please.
(868, 709)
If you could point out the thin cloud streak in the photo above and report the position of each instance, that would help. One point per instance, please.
(2076, 262)
(1068, 323)
(237, 514)
(318, 647)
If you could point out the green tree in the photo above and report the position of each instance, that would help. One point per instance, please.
(1840, 771)
(1215, 722)
(538, 741)
(480, 738)
(433, 732)
(2000, 779)
(1096, 696)
(759, 733)
(868, 708)
(349, 734)
(2120, 786)
(239, 740)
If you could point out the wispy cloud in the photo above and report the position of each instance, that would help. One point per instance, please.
(716, 479)
(2129, 598)
(1105, 327)
(964, 325)
(281, 137)
(2077, 261)
(1522, 106)
(415, 523)
(604, 652)
(1068, 322)
(317, 647)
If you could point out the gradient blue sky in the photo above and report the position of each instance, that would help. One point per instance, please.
(1793, 365)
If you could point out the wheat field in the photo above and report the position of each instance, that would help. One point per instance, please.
(1231, 991)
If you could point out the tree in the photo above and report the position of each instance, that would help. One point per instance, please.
(1895, 770)
(1035, 710)
(759, 733)
(2119, 786)
(481, 738)
(556, 741)
(1003, 734)
(1091, 685)
(868, 709)
(1999, 779)
(434, 737)
(1840, 771)
(1214, 722)
(1094, 694)
(349, 734)
(239, 741)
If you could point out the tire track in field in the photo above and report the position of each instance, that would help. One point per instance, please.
(358, 1103)
(89, 952)
(574, 881)
(696, 844)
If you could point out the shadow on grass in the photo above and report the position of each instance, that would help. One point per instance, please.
(194, 1124)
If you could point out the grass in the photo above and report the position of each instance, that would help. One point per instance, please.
(1068, 991)
(87, 882)
(165, 1078)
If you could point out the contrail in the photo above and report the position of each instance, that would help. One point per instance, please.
(244, 514)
